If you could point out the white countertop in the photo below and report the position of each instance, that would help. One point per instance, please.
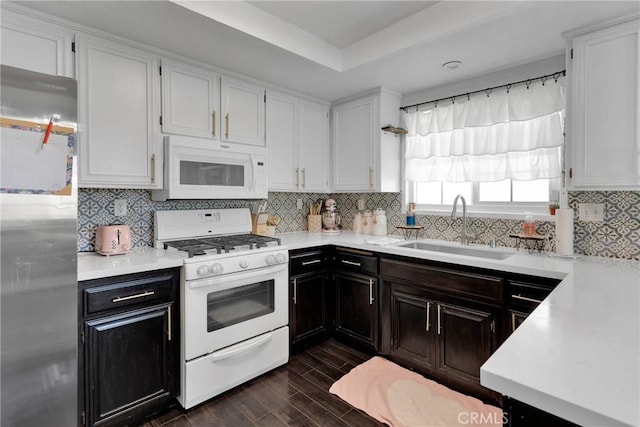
(94, 266)
(577, 355)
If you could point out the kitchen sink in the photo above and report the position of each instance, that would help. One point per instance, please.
(459, 250)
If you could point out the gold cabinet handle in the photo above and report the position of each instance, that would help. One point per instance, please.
(295, 291)
(370, 291)
(315, 261)
(144, 294)
(513, 322)
(520, 297)
(371, 177)
(297, 177)
(438, 319)
(169, 329)
(428, 309)
(213, 123)
(304, 178)
(355, 264)
(226, 126)
(153, 168)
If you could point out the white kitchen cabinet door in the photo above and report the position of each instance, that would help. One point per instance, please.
(604, 115)
(242, 109)
(314, 147)
(190, 100)
(36, 45)
(282, 142)
(119, 145)
(353, 133)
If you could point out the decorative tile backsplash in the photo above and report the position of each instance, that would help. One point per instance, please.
(618, 236)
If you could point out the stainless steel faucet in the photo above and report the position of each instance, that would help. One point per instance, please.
(465, 235)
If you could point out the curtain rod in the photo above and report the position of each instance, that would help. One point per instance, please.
(488, 91)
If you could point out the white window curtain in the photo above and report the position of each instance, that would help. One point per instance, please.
(512, 133)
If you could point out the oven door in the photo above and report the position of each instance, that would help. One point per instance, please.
(202, 169)
(221, 311)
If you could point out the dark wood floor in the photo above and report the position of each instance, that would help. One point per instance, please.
(296, 394)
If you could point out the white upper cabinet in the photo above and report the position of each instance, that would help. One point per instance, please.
(314, 146)
(190, 100)
(603, 115)
(365, 159)
(119, 143)
(282, 142)
(353, 134)
(242, 112)
(36, 45)
(297, 143)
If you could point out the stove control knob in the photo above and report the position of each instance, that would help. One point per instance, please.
(203, 270)
(244, 263)
(271, 260)
(217, 268)
(281, 259)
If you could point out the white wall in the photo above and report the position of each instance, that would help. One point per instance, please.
(510, 75)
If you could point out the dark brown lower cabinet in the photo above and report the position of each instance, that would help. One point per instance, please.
(466, 339)
(357, 309)
(129, 347)
(128, 363)
(310, 313)
(442, 340)
(427, 327)
(308, 309)
(518, 414)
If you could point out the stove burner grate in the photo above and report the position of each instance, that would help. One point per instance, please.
(221, 243)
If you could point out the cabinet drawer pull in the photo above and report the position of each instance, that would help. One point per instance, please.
(297, 177)
(304, 178)
(213, 123)
(438, 319)
(315, 261)
(295, 291)
(153, 168)
(520, 297)
(169, 329)
(144, 294)
(226, 126)
(371, 177)
(428, 309)
(370, 291)
(513, 322)
(355, 264)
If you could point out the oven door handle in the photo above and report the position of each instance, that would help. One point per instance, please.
(241, 348)
(242, 275)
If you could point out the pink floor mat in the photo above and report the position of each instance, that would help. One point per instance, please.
(399, 397)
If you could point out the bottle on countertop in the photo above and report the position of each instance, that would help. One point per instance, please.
(529, 227)
(411, 214)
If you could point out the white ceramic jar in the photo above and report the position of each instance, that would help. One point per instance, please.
(367, 222)
(379, 223)
(357, 223)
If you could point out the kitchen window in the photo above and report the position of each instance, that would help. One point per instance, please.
(500, 148)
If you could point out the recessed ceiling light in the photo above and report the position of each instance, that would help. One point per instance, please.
(452, 65)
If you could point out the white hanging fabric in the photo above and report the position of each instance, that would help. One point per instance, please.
(515, 133)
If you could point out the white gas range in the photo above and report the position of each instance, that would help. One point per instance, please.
(233, 299)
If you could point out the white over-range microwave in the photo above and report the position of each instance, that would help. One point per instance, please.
(196, 168)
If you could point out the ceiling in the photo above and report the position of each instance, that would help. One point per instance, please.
(333, 49)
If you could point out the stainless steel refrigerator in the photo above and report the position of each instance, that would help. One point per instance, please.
(38, 299)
